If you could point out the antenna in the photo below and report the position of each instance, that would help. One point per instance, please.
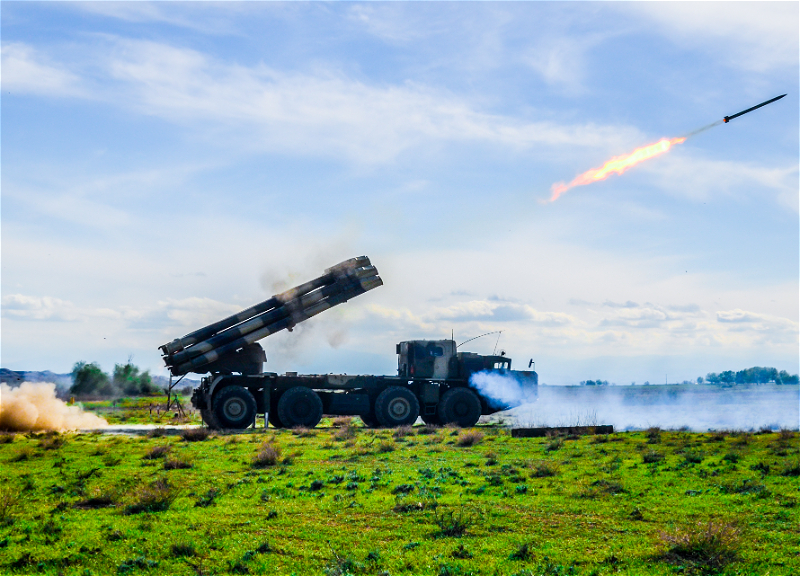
(476, 337)
(500, 333)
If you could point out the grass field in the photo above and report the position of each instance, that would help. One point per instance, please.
(342, 500)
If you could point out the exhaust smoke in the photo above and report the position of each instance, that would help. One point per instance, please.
(696, 407)
(34, 406)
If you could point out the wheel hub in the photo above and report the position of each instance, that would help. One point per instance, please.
(399, 408)
(234, 408)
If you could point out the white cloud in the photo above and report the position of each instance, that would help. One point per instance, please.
(698, 178)
(322, 113)
(755, 36)
(742, 320)
(25, 70)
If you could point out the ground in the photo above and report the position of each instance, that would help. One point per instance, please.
(342, 499)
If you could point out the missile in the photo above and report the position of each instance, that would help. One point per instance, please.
(729, 118)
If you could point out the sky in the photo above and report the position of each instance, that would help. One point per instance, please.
(165, 164)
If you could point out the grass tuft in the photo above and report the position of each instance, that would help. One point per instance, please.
(183, 549)
(154, 497)
(543, 469)
(157, 452)
(469, 438)
(705, 548)
(195, 434)
(268, 455)
(177, 464)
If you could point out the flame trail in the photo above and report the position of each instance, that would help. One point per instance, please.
(618, 164)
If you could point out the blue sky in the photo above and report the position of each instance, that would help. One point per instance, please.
(164, 164)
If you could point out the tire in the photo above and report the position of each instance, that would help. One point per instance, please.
(300, 406)
(272, 418)
(460, 406)
(209, 420)
(431, 419)
(396, 406)
(369, 420)
(234, 408)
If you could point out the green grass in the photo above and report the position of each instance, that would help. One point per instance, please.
(334, 503)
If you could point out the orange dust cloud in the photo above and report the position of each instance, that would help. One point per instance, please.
(34, 406)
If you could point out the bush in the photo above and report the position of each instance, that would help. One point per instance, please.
(469, 438)
(791, 470)
(6, 438)
(268, 455)
(705, 547)
(453, 523)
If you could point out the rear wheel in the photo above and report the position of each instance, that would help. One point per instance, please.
(460, 406)
(272, 418)
(369, 420)
(300, 406)
(234, 407)
(396, 406)
(208, 418)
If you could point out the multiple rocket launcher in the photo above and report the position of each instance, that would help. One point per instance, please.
(339, 283)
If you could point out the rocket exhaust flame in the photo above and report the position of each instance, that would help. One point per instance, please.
(618, 165)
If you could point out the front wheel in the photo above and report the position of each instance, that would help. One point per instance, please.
(300, 406)
(460, 406)
(396, 406)
(234, 407)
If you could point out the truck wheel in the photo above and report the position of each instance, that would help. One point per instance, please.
(460, 406)
(300, 406)
(369, 420)
(234, 407)
(272, 418)
(209, 420)
(396, 406)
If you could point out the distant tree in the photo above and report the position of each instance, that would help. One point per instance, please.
(90, 380)
(130, 382)
(699, 379)
(712, 378)
(727, 377)
(784, 377)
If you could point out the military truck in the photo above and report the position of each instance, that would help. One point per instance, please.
(433, 378)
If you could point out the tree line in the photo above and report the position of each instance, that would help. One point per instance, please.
(88, 379)
(754, 375)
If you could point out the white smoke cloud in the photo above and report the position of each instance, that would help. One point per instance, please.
(698, 408)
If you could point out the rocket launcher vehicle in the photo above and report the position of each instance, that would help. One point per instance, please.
(208, 348)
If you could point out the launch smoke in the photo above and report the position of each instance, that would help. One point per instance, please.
(699, 408)
(34, 406)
